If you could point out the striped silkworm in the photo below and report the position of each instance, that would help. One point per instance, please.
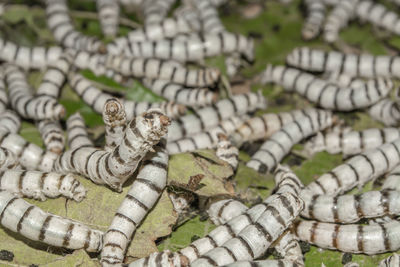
(7, 159)
(352, 238)
(3, 92)
(386, 111)
(24, 103)
(31, 222)
(77, 132)
(227, 152)
(339, 17)
(155, 11)
(190, 15)
(364, 65)
(264, 263)
(275, 148)
(10, 122)
(206, 139)
(60, 24)
(114, 118)
(52, 135)
(351, 142)
(181, 94)
(316, 10)
(222, 211)
(140, 199)
(108, 13)
(392, 180)
(115, 167)
(164, 70)
(326, 94)
(96, 99)
(165, 258)
(289, 248)
(210, 116)
(40, 185)
(208, 15)
(391, 261)
(358, 170)
(94, 62)
(37, 57)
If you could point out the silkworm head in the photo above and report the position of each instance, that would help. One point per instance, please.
(113, 111)
(293, 57)
(155, 123)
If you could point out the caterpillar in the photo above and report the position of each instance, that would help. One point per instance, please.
(352, 238)
(165, 258)
(392, 180)
(96, 99)
(264, 263)
(386, 111)
(155, 11)
(316, 10)
(77, 132)
(190, 15)
(275, 148)
(142, 196)
(209, 18)
(227, 152)
(63, 30)
(3, 92)
(95, 62)
(7, 159)
(52, 135)
(391, 261)
(114, 118)
(39, 185)
(31, 222)
(9, 122)
(209, 116)
(325, 94)
(108, 13)
(180, 94)
(115, 167)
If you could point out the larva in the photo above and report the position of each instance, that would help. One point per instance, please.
(386, 111)
(154, 11)
(95, 62)
(352, 142)
(180, 94)
(325, 94)
(391, 261)
(39, 185)
(77, 132)
(165, 258)
(289, 248)
(352, 238)
(96, 98)
(358, 170)
(7, 160)
(392, 180)
(52, 135)
(9, 122)
(115, 167)
(316, 10)
(264, 263)
(275, 148)
(227, 152)
(164, 70)
(208, 16)
(210, 116)
(24, 103)
(142, 196)
(63, 30)
(108, 12)
(364, 65)
(3, 92)
(114, 118)
(222, 211)
(31, 222)
(190, 15)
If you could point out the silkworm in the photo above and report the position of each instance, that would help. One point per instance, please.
(391, 261)
(164, 70)
(39, 185)
(326, 94)
(165, 258)
(114, 118)
(386, 111)
(33, 223)
(392, 180)
(222, 211)
(352, 142)
(52, 135)
(7, 159)
(358, 170)
(316, 10)
(155, 11)
(94, 62)
(24, 103)
(77, 132)
(352, 238)
(209, 18)
(3, 92)
(60, 24)
(227, 152)
(140, 199)
(96, 99)
(264, 263)
(206, 139)
(189, 13)
(364, 65)
(115, 167)
(210, 116)
(181, 94)
(289, 248)
(108, 12)
(275, 148)
(9, 122)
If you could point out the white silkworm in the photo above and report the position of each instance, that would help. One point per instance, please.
(358, 170)
(227, 152)
(325, 94)
(391, 261)
(142, 196)
(9, 122)
(289, 248)
(352, 238)
(164, 70)
(52, 135)
(39, 185)
(24, 103)
(364, 65)
(108, 13)
(165, 258)
(222, 211)
(115, 167)
(190, 15)
(3, 92)
(275, 148)
(181, 94)
(392, 180)
(96, 99)
(154, 11)
(77, 132)
(93, 61)
(386, 111)
(210, 116)
(114, 118)
(316, 10)
(264, 263)
(30, 221)
(208, 15)
(7, 159)
(352, 142)
(60, 24)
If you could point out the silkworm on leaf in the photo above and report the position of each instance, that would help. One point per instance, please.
(165, 258)
(264, 263)
(209, 18)
(227, 152)
(3, 92)
(33, 223)
(386, 111)
(77, 132)
(10, 122)
(315, 18)
(392, 180)
(52, 135)
(108, 13)
(222, 211)
(391, 261)
(114, 118)
(7, 159)
(155, 11)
